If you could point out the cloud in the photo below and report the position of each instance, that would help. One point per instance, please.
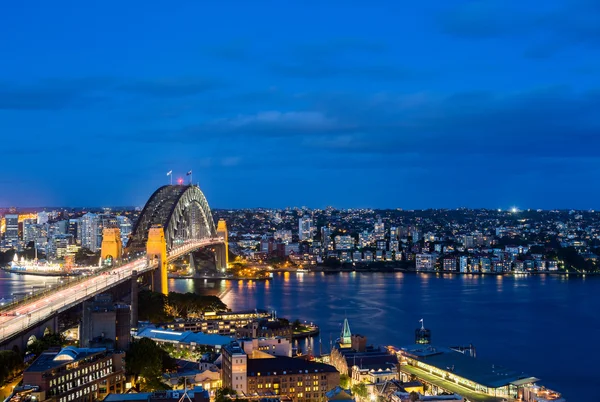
(171, 87)
(52, 94)
(545, 28)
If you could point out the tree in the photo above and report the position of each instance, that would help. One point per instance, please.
(10, 364)
(222, 394)
(360, 390)
(145, 359)
(48, 341)
(344, 381)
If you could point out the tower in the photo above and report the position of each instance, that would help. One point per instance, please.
(156, 251)
(112, 247)
(422, 335)
(223, 258)
(346, 338)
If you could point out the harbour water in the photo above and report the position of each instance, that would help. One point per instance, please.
(546, 326)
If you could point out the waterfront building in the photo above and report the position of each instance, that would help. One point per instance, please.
(357, 256)
(193, 341)
(450, 264)
(463, 264)
(535, 393)
(368, 256)
(344, 242)
(445, 368)
(266, 329)
(76, 374)
(264, 376)
(425, 262)
(352, 350)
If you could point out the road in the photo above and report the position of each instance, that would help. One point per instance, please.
(7, 389)
(29, 313)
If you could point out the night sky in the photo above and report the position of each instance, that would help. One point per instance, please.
(289, 103)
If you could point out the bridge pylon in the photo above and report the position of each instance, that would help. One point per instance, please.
(111, 244)
(222, 252)
(156, 251)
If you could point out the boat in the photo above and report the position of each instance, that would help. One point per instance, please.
(37, 267)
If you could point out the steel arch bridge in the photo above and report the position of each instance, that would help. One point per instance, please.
(182, 211)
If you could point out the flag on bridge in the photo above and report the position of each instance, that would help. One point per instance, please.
(188, 173)
(169, 173)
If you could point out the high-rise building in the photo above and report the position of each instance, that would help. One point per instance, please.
(88, 229)
(125, 227)
(31, 230)
(74, 230)
(464, 264)
(285, 236)
(42, 217)
(326, 238)
(344, 242)
(305, 228)
(379, 230)
(12, 228)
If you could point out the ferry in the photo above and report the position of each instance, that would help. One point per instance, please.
(37, 267)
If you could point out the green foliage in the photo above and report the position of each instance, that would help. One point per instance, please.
(344, 381)
(156, 307)
(48, 341)
(185, 305)
(222, 393)
(151, 307)
(147, 360)
(10, 364)
(85, 256)
(360, 390)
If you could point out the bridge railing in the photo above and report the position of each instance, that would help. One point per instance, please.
(74, 280)
(68, 281)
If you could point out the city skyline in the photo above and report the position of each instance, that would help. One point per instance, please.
(449, 104)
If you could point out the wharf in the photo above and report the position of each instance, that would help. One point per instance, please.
(451, 386)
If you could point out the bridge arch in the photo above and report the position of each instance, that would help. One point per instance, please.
(183, 212)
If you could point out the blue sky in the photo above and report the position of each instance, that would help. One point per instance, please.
(280, 103)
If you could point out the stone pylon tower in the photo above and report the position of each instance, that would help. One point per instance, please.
(111, 244)
(156, 251)
(223, 258)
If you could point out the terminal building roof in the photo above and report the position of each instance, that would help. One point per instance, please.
(477, 370)
(186, 337)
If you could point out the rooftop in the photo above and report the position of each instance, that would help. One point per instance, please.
(51, 359)
(198, 338)
(286, 365)
(476, 370)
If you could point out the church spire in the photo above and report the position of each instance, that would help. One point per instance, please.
(346, 334)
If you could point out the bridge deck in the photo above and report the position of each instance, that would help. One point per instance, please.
(29, 313)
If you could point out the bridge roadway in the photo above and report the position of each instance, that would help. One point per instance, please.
(30, 313)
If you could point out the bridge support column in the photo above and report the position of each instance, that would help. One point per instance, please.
(220, 257)
(134, 300)
(156, 251)
(222, 232)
